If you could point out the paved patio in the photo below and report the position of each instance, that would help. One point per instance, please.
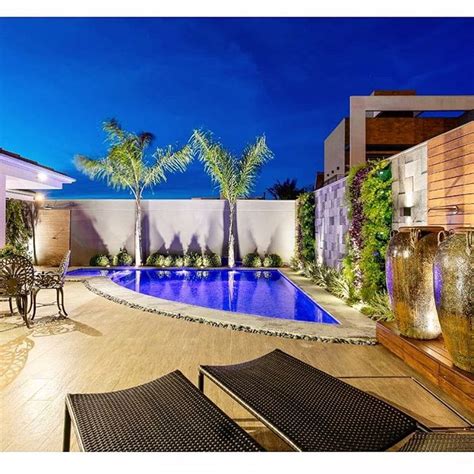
(106, 346)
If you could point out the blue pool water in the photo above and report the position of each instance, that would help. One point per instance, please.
(259, 292)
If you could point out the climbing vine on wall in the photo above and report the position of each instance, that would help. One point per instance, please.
(370, 209)
(19, 224)
(305, 231)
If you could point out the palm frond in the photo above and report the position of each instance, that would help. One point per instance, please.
(167, 161)
(218, 163)
(234, 177)
(91, 167)
(113, 130)
(253, 159)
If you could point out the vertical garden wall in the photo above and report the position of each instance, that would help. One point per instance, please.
(305, 230)
(369, 200)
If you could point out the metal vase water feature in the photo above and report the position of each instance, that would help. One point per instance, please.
(409, 274)
(453, 274)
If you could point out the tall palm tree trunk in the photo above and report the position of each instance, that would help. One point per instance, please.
(138, 233)
(231, 250)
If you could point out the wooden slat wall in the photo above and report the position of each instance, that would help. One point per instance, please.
(53, 231)
(451, 177)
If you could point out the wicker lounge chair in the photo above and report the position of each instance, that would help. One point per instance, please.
(312, 410)
(168, 414)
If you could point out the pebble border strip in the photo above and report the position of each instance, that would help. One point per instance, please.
(235, 327)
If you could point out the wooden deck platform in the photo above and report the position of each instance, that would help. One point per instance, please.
(432, 360)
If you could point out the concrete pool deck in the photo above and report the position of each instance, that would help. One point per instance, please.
(353, 327)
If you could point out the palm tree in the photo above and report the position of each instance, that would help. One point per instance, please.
(286, 190)
(125, 167)
(234, 176)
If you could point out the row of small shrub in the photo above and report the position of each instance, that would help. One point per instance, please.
(122, 259)
(190, 259)
(337, 283)
(255, 260)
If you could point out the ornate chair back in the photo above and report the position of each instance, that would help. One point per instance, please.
(17, 276)
(64, 266)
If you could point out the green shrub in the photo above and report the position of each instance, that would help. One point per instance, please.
(99, 260)
(168, 261)
(191, 259)
(10, 250)
(123, 258)
(179, 261)
(249, 259)
(215, 260)
(276, 260)
(378, 307)
(272, 260)
(151, 260)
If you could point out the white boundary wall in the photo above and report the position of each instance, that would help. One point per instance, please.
(179, 225)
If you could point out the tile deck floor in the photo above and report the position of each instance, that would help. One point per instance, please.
(106, 346)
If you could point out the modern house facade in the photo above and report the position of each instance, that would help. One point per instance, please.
(433, 184)
(388, 122)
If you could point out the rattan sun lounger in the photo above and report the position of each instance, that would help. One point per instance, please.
(310, 409)
(168, 414)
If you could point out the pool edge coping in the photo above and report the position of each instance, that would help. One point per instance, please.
(347, 331)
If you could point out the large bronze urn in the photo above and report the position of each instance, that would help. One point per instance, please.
(453, 274)
(409, 274)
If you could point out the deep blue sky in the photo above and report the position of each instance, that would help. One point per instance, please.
(287, 78)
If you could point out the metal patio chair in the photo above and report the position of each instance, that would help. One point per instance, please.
(52, 280)
(314, 411)
(16, 282)
(168, 414)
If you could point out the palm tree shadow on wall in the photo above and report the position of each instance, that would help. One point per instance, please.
(194, 245)
(88, 239)
(176, 245)
(146, 238)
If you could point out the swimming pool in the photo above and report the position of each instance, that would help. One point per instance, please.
(265, 293)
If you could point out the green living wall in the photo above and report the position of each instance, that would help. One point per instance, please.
(369, 199)
(305, 231)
